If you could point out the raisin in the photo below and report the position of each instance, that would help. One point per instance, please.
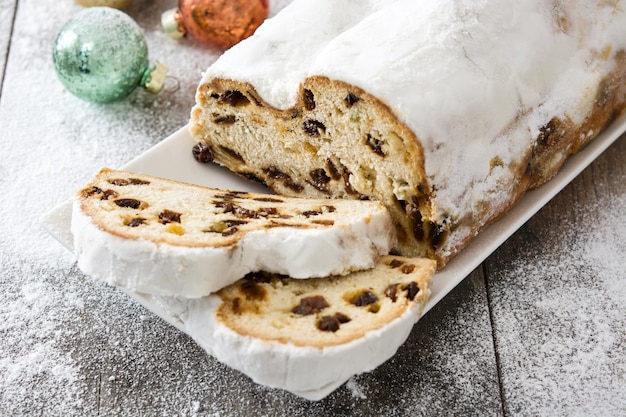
(351, 99)
(396, 263)
(246, 213)
(234, 98)
(233, 222)
(259, 276)
(109, 194)
(253, 291)
(267, 211)
(309, 100)
(268, 200)
(416, 217)
(310, 213)
(319, 179)
(137, 221)
(313, 127)
(274, 223)
(407, 269)
(375, 144)
(230, 231)
(310, 305)
(328, 324)
(128, 203)
(120, 182)
(225, 120)
(294, 186)
(332, 170)
(232, 153)
(401, 203)
(438, 234)
(168, 216)
(253, 177)
(89, 192)
(226, 205)
(276, 173)
(202, 153)
(346, 180)
(256, 100)
(412, 290)
(237, 305)
(364, 299)
(324, 222)
(234, 194)
(391, 292)
(342, 318)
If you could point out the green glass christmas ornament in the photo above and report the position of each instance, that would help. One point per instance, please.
(101, 55)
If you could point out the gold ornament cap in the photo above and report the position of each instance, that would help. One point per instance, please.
(116, 4)
(155, 78)
(171, 23)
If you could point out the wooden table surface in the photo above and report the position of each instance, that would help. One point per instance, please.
(538, 329)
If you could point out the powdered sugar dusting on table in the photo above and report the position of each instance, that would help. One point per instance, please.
(554, 347)
(72, 346)
(32, 326)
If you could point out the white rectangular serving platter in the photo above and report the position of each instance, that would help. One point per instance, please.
(172, 158)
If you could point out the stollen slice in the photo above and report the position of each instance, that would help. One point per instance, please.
(162, 237)
(309, 336)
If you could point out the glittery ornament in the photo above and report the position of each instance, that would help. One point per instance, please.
(101, 55)
(220, 23)
(118, 4)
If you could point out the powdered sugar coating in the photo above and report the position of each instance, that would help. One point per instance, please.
(562, 332)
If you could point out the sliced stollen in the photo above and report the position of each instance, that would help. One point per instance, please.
(163, 237)
(309, 336)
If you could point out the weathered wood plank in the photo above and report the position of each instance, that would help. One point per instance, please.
(7, 11)
(558, 293)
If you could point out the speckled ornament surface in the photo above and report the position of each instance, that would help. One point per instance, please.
(221, 23)
(100, 55)
(118, 4)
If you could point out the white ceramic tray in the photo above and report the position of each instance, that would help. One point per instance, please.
(172, 159)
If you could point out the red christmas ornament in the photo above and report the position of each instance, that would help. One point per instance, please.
(220, 23)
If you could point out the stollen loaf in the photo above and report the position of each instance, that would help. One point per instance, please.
(162, 237)
(446, 111)
(309, 336)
